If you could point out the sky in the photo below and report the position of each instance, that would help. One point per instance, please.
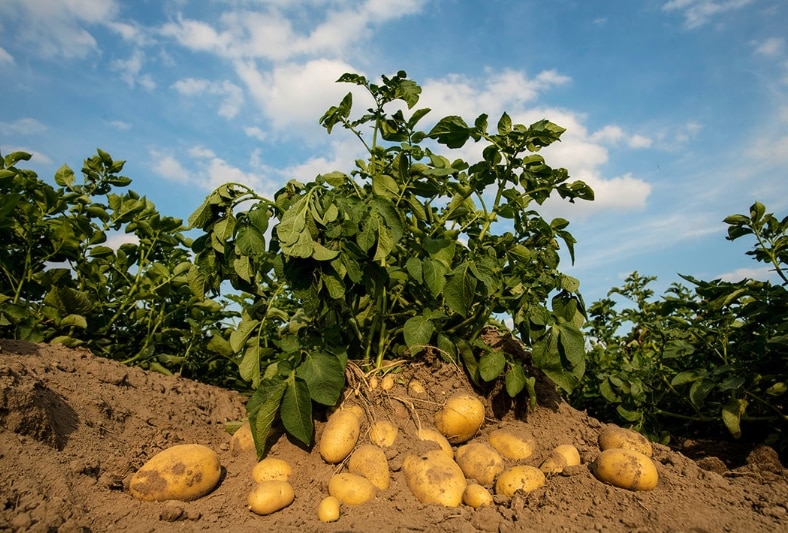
(676, 110)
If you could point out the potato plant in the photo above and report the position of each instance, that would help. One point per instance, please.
(411, 253)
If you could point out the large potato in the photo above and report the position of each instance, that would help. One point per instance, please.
(351, 489)
(512, 446)
(614, 437)
(480, 462)
(524, 478)
(182, 472)
(434, 478)
(270, 496)
(383, 433)
(460, 417)
(370, 461)
(435, 436)
(339, 436)
(271, 469)
(626, 469)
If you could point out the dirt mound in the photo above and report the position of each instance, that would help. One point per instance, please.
(74, 428)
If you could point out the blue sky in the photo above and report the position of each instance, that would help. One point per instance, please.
(676, 110)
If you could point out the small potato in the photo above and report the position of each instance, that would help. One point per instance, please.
(524, 478)
(387, 383)
(351, 489)
(435, 436)
(370, 461)
(339, 436)
(563, 456)
(271, 469)
(434, 478)
(415, 388)
(512, 446)
(480, 462)
(614, 437)
(182, 472)
(242, 440)
(476, 496)
(328, 510)
(383, 433)
(374, 382)
(626, 469)
(460, 418)
(270, 496)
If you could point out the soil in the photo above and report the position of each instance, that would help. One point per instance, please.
(75, 427)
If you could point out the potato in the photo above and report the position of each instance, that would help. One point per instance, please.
(562, 456)
(339, 436)
(415, 388)
(355, 409)
(614, 437)
(460, 418)
(434, 478)
(351, 489)
(182, 472)
(435, 436)
(270, 496)
(512, 446)
(242, 440)
(383, 433)
(524, 478)
(625, 468)
(387, 383)
(328, 510)
(480, 462)
(370, 461)
(476, 496)
(271, 469)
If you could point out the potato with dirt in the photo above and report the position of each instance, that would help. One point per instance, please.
(433, 477)
(370, 461)
(383, 433)
(476, 496)
(270, 496)
(616, 437)
(433, 435)
(479, 462)
(271, 469)
(339, 436)
(513, 446)
(328, 509)
(460, 418)
(523, 478)
(182, 472)
(626, 469)
(351, 489)
(563, 455)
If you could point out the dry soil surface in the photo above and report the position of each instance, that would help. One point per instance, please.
(75, 427)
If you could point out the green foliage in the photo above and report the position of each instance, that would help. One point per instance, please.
(715, 355)
(397, 258)
(60, 282)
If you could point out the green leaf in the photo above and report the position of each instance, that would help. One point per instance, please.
(460, 291)
(731, 416)
(64, 176)
(325, 377)
(76, 321)
(628, 415)
(241, 333)
(262, 408)
(385, 186)
(434, 276)
(699, 390)
(515, 380)
(321, 253)
(296, 410)
(451, 131)
(688, 376)
(418, 331)
(491, 365)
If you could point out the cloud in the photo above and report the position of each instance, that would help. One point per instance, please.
(119, 124)
(5, 57)
(255, 132)
(23, 126)
(232, 95)
(762, 273)
(770, 47)
(54, 28)
(130, 68)
(698, 12)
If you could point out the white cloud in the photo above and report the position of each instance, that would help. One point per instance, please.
(762, 273)
(5, 57)
(698, 12)
(232, 95)
(255, 132)
(130, 69)
(119, 124)
(771, 150)
(116, 240)
(770, 47)
(23, 126)
(639, 141)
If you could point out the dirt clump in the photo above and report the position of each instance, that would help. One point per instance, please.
(75, 427)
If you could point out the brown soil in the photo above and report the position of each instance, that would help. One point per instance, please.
(74, 428)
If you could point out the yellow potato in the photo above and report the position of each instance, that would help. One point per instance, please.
(270, 496)
(242, 440)
(383, 433)
(351, 489)
(434, 478)
(182, 472)
(614, 437)
(476, 496)
(563, 456)
(480, 462)
(524, 478)
(433, 435)
(355, 409)
(339, 436)
(387, 383)
(328, 510)
(460, 418)
(373, 382)
(272, 469)
(626, 469)
(415, 388)
(512, 446)
(370, 461)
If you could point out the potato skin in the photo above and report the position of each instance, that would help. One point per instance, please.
(328, 510)
(615, 437)
(351, 489)
(562, 456)
(182, 472)
(270, 496)
(460, 418)
(339, 436)
(522, 477)
(512, 446)
(476, 496)
(383, 433)
(480, 462)
(626, 469)
(370, 461)
(242, 440)
(434, 478)
(271, 469)
(433, 435)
